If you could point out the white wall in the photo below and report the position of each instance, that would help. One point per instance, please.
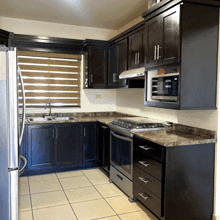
(49, 29)
(91, 100)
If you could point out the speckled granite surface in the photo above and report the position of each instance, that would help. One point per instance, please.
(103, 117)
(179, 135)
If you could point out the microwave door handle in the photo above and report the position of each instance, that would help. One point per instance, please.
(24, 107)
(120, 137)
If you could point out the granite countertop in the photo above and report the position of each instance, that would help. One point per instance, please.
(103, 117)
(178, 135)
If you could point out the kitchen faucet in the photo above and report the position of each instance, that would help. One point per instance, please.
(49, 107)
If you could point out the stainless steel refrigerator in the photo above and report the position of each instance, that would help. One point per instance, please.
(11, 132)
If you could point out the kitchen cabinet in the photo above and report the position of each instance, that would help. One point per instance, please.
(136, 51)
(41, 147)
(174, 182)
(103, 147)
(117, 63)
(163, 38)
(4, 37)
(184, 39)
(68, 145)
(96, 75)
(89, 141)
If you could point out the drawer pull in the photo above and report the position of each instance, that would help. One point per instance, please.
(120, 177)
(144, 197)
(143, 179)
(145, 148)
(144, 163)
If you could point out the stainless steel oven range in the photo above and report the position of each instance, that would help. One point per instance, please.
(121, 149)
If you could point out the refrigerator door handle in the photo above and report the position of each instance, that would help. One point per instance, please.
(25, 164)
(24, 107)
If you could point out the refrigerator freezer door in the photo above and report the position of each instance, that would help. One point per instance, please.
(13, 178)
(12, 108)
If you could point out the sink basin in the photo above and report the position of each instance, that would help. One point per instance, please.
(40, 119)
(63, 118)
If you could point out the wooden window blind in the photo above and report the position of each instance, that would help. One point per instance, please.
(50, 77)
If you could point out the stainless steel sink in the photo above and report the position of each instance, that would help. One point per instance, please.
(39, 119)
(63, 118)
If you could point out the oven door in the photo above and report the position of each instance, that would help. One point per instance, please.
(121, 153)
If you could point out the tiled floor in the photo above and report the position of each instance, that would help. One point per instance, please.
(76, 195)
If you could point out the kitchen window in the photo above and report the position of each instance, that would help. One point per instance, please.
(50, 77)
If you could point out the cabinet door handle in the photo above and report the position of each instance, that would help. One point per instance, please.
(138, 60)
(84, 132)
(143, 179)
(144, 163)
(158, 52)
(144, 197)
(119, 177)
(155, 52)
(135, 58)
(91, 78)
(145, 148)
(114, 77)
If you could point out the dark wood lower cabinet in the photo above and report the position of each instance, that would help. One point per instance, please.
(56, 147)
(40, 147)
(185, 187)
(68, 145)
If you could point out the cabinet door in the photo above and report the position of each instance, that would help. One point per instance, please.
(154, 41)
(122, 54)
(69, 148)
(89, 141)
(170, 49)
(97, 66)
(41, 147)
(112, 67)
(136, 50)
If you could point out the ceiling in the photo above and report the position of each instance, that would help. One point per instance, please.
(108, 14)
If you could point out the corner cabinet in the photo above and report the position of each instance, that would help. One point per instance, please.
(174, 182)
(96, 75)
(117, 63)
(183, 39)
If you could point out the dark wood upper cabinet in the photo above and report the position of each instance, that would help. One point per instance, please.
(97, 61)
(4, 37)
(117, 63)
(163, 38)
(136, 50)
(184, 39)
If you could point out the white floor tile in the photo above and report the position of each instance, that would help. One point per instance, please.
(24, 203)
(74, 182)
(63, 212)
(109, 190)
(45, 186)
(92, 209)
(121, 205)
(27, 215)
(42, 177)
(141, 215)
(82, 194)
(69, 174)
(48, 199)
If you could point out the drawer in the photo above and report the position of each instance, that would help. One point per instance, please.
(121, 181)
(147, 181)
(149, 148)
(148, 199)
(150, 166)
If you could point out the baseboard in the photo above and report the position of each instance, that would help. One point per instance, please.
(214, 217)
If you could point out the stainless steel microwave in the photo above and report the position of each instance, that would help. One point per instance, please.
(165, 87)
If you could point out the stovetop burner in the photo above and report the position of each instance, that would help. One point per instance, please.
(138, 123)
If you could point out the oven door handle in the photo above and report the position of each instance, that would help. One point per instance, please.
(120, 137)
